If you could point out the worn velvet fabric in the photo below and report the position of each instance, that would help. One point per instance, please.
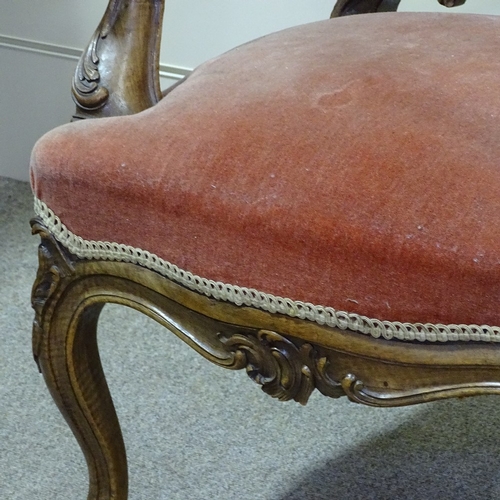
(352, 163)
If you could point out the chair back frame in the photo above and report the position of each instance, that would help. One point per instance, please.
(118, 72)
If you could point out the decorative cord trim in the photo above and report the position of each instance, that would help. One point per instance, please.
(240, 296)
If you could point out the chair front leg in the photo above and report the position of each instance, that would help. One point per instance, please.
(65, 348)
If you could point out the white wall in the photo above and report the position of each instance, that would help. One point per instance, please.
(40, 39)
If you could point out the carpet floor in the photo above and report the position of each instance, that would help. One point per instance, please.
(195, 431)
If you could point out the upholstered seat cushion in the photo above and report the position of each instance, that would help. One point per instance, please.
(351, 163)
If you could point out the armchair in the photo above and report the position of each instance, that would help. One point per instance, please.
(318, 207)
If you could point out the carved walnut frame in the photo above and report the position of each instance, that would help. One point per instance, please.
(288, 357)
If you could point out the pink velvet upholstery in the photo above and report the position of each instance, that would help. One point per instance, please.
(353, 163)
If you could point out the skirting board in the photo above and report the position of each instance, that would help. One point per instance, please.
(166, 71)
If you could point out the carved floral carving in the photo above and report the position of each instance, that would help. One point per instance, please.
(53, 266)
(284, 370)
(86, 88)
(273, 362)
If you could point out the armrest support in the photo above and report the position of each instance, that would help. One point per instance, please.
(118, 73)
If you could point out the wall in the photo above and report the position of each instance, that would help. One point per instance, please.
(40, 41)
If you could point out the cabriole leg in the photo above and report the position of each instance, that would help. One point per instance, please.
(65, 347)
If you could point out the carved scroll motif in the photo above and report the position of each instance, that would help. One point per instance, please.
(284, 370)
(86, 88)
(54, 266)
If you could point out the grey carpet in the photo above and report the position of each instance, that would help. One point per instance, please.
(196, 431)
